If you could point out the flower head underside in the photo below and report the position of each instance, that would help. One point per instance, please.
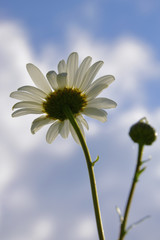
(73, 87)
(57, 100)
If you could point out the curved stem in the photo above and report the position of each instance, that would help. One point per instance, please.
(90, 171)
(123, 230)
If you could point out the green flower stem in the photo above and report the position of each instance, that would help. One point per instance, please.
(123, 229)
(90, 166)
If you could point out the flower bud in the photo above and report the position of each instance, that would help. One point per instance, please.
(143, 133)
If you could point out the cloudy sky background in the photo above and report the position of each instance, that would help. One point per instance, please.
(44, 189)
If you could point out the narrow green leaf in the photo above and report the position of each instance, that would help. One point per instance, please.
(93, 163)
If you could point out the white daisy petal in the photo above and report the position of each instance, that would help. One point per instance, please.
(72, 86)
(62, 67)
(82, 71)
(64, 128)
(33, 90)
(74, 135)
(102, 103)
(38, 123)
(98, 114)
(52, 78)
(38, 78)
(25, 111)
(52, 132)
(108, 79)
(80, 126)
(95, 90)
(72, 66)
(62, 80)
(27, 104)
(91, 73)
(25, 96)
(83, 121)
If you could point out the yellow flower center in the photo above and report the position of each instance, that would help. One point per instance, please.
(58, 100)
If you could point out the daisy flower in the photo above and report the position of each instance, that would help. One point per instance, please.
(72, 86)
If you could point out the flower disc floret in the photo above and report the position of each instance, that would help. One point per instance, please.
(58, 100)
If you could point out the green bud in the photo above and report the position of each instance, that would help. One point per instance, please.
(143, 133)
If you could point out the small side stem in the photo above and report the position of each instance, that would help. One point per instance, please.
(90, 171)
(123, 230)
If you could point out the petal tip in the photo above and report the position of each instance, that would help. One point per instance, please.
(74, 53)
(13, 115)
(115, 105)
(48, 140)
(51, 73)
(32, 130)
(113, 77)
(11, 94)
(100, 62)
(28, 65)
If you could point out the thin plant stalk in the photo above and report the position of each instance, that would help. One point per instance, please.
(123, 229)
(90, 166)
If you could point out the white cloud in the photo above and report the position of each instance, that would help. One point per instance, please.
(8, 169)
(43, 229)
(130, 60)
(14, 55)
(94, 128)
(85, 229)
(20, 199)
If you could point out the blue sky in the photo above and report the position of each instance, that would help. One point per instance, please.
(49, 20)
(44, 189)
